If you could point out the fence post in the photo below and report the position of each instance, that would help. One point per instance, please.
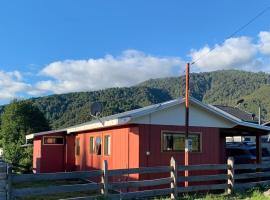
(174, 171)
(104, 179)
(3, 180)
(230, 173)
(9, 181)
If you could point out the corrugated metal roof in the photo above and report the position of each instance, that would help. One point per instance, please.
(134, 113)
(241, 114)
(125, 117)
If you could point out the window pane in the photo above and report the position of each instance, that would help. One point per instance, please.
(77, 146)
(53, 140)
(167, 142)
(195, 142)
(91, 144)
(107, 145)
(176, 141)
(98, 145)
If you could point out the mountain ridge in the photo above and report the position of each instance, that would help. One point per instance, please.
(224, 87)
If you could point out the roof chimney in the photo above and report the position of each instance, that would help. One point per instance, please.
(253, 116)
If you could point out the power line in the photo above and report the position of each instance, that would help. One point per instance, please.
(234, 33)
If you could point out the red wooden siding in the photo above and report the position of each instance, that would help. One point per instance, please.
(129, 147)
(48, 158)
(124, 149)
(36, 154)
(150, 140)
(69, 153)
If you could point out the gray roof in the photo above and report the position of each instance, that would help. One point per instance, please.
(241, 114)
(234, 115)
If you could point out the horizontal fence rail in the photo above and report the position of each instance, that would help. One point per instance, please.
(144, 183)
(253, 166)
(56, 189)
(203, 188)
(201, 178)
(18, 178)
(168, 181)
(203, 167)
(143, 170)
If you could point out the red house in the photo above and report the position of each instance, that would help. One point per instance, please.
(144, 137)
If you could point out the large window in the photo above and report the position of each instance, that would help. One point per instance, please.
(77, 146)
(175, 141)
(98, 146)
(107, 145)
(53, 140)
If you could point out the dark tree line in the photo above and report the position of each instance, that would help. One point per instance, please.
(219, 87)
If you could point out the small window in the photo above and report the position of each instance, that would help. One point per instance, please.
(77, 146)
(98, 146)
(107, 145)
(50, 140)
(172, 141)
(91, 145)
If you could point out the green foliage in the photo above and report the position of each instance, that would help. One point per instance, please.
(73, 108)
(218, 87)
(19, 119)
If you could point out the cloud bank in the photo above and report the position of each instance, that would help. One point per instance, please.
(132, 67)
(11, 85)
(235, 53)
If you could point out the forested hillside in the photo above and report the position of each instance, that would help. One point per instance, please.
(219, 87)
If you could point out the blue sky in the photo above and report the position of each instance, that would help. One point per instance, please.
(50, 46)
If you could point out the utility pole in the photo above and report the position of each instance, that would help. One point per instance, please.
(187, 123)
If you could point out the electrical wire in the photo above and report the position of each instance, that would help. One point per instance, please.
(234, 33)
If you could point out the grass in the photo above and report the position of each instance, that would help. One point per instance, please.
(253, 194)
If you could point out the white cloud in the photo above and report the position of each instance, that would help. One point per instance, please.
(233, 53)
(130, 68)
(11, 85)
(264, 42)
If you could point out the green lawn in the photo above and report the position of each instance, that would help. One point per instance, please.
(254, 194)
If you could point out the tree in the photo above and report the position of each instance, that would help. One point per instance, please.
(19, 119)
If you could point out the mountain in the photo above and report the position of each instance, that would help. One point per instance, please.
(219, 87)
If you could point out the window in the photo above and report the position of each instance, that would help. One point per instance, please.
(98, 146)
(77, 146)
(107, 145)
(49, 140)
(175, 141)
(91, 145)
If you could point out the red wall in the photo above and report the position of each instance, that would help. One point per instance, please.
(129, 145)
(36, 154)
(150, 140)
(48, 158)
(69, 153)
(124, 149)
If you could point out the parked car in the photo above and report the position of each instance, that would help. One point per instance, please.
(245, 153)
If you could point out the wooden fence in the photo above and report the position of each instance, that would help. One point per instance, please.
(225, 179)
(3, 180)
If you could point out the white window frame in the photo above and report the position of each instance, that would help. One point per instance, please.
(109, 145)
